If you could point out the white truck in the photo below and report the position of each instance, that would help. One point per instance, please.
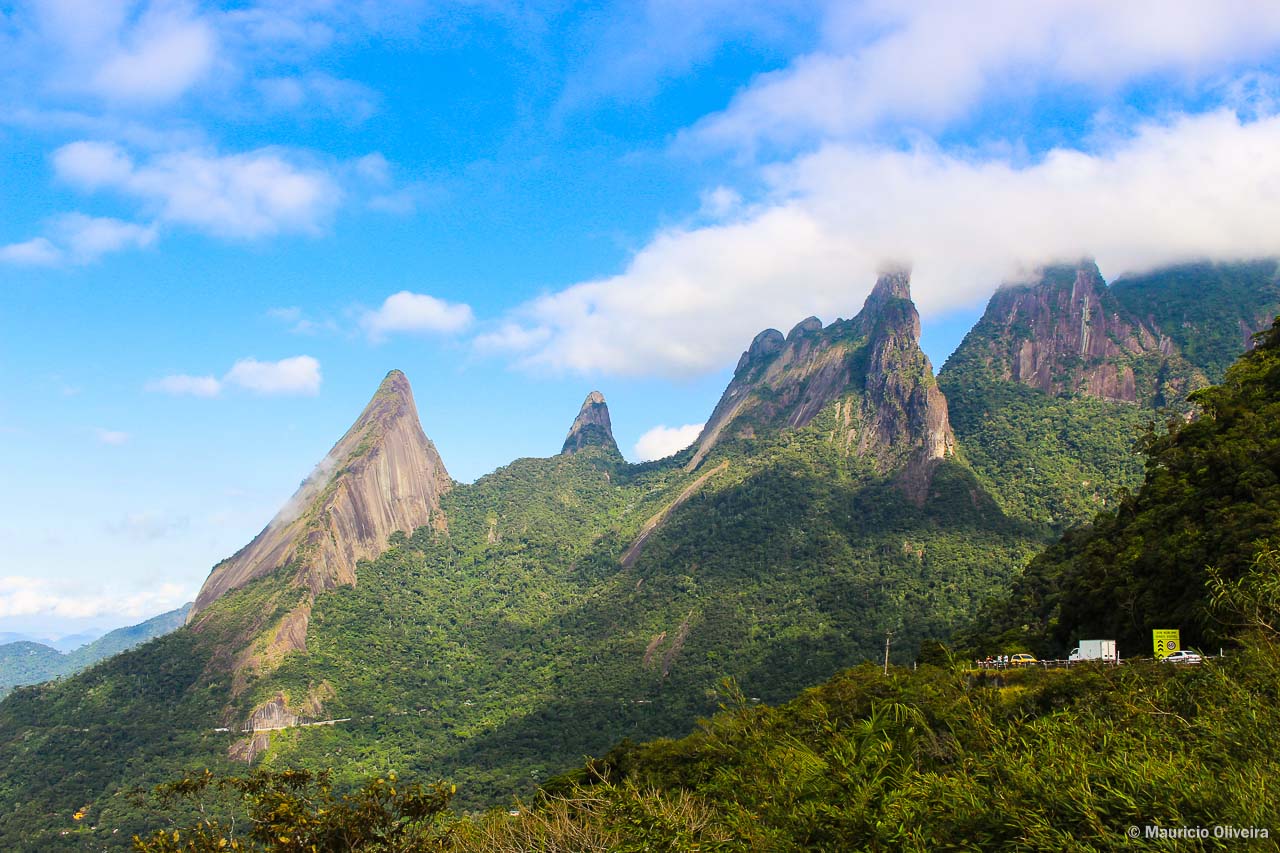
(1103, 650)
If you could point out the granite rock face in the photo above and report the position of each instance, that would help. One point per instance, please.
(592, 427)
(870, 368)
(1064, 333)
(383, 475)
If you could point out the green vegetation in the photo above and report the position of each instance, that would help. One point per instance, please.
(1204, 308)
(501, 650)
(31, 663)
(948, 758)
(1209, 503)
(937, 759)
(1052, 460)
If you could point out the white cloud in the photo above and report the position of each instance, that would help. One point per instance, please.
(79, 239)
(151, 52)
(255, 194)
(930, 62)
(89, 237)
(689, 301)
(663, 441)
(28, 596)
(297, 375)
(112, 437)
(180, 384)
(299, 323)
(36, 252)
(416, 312)
(162, 56)
(346, 100)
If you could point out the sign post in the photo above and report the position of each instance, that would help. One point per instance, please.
(1166, 641)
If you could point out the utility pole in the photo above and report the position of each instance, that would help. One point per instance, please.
(888, 635)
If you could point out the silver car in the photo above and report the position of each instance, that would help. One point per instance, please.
(1183, 656)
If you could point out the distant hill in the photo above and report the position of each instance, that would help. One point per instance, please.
(28, 662)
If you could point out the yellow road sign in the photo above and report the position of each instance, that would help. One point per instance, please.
(1166, 641)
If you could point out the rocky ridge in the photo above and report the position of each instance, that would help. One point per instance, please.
(888, 407)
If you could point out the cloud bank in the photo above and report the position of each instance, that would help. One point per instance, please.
(691, 300)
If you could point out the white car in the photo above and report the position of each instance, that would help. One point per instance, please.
(1183, 656)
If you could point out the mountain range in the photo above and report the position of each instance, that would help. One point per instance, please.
(30, 662)
(840, 501)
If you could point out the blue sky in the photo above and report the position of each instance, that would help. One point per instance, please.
(221, 224)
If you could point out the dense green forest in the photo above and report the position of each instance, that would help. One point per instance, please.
(946, 757)
(502, 651)
(1210, 500)
(574, 602)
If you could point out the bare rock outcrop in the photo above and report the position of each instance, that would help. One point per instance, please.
(383, 475)
(871, 368)
(1065, 333)
(591, 428)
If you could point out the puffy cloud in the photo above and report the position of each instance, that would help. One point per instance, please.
(930, 62)
(297, 375)
(663, 441)
(161, 57)
(255, 194)
(28, 596)
(416, 312)
(689, 301)
(126, 51)
(181, 384)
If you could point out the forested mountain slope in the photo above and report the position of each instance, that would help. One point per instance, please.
(1209, 503)
(1056, 382)
(558, 605)
(561, 604)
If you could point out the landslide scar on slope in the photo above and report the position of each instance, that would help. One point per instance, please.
(633, 553)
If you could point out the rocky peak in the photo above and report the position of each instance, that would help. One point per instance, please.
(763, 347)
(592, 427)
(807, 326)
(871, 368)
(893, 283)
(1065, 332)
(383, 475)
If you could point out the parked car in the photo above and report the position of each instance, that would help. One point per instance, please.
(1022, 659)
(1183, 656)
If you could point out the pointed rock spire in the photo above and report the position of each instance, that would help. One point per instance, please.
(383, 475)
(591, 428)
(888, 406)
